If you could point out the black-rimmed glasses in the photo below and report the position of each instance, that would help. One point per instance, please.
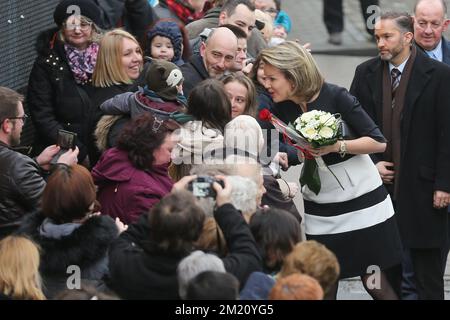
(23, 118)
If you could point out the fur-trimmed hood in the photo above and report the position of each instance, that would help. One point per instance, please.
(84, 247)
(102, 130)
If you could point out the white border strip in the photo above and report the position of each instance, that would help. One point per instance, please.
(356, 220)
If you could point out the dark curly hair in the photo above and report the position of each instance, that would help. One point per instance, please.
(141, 137)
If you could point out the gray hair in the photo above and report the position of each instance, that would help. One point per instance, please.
(243, 194)
(401, 19)
(194, 264)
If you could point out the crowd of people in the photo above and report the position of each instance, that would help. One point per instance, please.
(172, 187)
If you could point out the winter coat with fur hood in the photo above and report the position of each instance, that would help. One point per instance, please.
(81, 245)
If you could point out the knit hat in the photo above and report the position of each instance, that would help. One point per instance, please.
(171, 30)
(88, 9)
(163, 77)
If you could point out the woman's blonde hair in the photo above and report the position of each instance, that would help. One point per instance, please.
(108, 69)
(298, 66)
(96, 34)
(19, 269)
(314, 259)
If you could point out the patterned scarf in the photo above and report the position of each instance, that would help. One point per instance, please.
(183, 10)
(82, 62)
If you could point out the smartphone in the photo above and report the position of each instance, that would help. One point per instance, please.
(66, 140)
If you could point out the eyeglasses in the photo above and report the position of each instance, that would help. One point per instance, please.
(83, 26)
(23, 118)
(270, 10)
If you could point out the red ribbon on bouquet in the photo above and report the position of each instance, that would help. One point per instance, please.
(266, 115)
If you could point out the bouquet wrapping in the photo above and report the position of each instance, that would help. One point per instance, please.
(313, 129)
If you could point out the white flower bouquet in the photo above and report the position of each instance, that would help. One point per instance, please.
(313, 129)
(319, 128)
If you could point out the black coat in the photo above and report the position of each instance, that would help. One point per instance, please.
(98, 96)
(135, 15)
(425, 145)
(54, 99)
(139, 271)
(21, 187)
(86, 247)
(194, 72)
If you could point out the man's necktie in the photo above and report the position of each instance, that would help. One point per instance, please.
(432, 55)
(395, 74)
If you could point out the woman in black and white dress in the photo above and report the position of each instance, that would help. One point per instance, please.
(355, 221)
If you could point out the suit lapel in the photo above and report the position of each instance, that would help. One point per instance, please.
(445, 51)
(374, 84)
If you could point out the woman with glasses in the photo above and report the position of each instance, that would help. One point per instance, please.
(63, 69)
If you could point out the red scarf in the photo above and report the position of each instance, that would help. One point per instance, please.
(183, 10)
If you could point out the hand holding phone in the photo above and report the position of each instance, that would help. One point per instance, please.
(66, 140)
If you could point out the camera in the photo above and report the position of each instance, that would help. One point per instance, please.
(202, 187)
(66, 140)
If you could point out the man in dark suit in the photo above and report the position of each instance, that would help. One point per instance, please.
(430, 21)
(405, 93)
(217, 55)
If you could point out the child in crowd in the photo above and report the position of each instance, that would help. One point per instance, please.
(162, 96)
(168, 40)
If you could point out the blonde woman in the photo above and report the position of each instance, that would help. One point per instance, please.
(357, 221)
(19, 269)
(119, 65)
(62, 73)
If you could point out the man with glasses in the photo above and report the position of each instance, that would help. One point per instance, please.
(21, 182)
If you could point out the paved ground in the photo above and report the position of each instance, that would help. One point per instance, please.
(338, 64)
(308, 25)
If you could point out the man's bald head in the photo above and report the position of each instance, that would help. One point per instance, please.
(219, 51)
